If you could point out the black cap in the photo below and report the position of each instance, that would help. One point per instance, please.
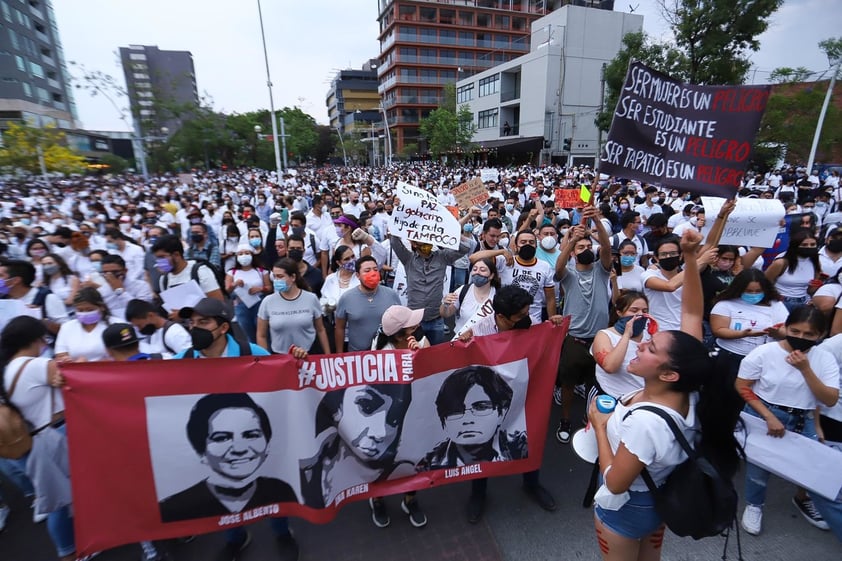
(209, 308)
(657, 220)
(119, 335)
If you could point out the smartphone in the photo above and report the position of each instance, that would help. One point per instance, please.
(618, 268)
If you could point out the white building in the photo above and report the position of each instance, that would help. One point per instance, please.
(540, 102)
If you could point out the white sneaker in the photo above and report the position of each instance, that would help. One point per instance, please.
(38, 518)
(4, 515)
(752, 519)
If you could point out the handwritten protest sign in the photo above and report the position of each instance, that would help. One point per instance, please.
(186, 178)
(420, 217)
(470, 193)
(754, 222)
(567, 198)
(697, 138)
(489, 174)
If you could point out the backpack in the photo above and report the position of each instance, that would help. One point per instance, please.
(40, 300)
(15, 436)
(194, 275)
(696, 500)
(615, 242)
(167, 324)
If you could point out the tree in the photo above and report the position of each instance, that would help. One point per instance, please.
(22, 143)
(302, 137)
(115, 163)
(717, 35)
(786, 74)
(447, 129)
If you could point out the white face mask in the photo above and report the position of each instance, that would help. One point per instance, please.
(548, 243)
(244, 260)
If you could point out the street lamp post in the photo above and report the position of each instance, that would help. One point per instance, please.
(388, 150)
(342, 143)
(271, 100)
(822, 114)
(141, 143)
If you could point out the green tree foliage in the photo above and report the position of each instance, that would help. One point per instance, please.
(716, 36)
(785, 74)
(21, 145)
(449, 130)
(303, 138)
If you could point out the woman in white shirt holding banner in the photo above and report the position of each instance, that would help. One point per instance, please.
(467, 300)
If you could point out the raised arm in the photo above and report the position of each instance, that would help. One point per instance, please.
(692, 300)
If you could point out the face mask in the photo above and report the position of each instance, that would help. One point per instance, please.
(163, 264)
(835, 245)
(624, 206)
(244, 260)
(669, 263)
(350, 266)
(627, 260)
(26, 221)
(637, 327)
(656, 200)
(800, 344)
(196, 238)
(807, 251)
(38, 252)
(510, 207)
(724, 266)
(280, 285)
(148, 330)
(468, 228)
(201, 338)
(586, 257)
(111, 245)
(50, 270)
(425, 249)
(340, 231)
(96, 266)
(151, 241)
(295, 254)
(526, 252)
(298, 231)
(479, 280)
(751, 298)
(89, 318)
(549, 243)
(254, 242)
(563, 232)
(371, 279)
(4, 288)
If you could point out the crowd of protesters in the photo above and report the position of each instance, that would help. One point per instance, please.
(307, 264)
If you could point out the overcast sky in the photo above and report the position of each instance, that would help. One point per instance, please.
(309, 41)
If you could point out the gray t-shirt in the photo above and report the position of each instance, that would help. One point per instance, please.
(362, 317)
(291, 321)
(586, 300)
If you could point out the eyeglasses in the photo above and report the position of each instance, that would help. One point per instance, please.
(479, 409)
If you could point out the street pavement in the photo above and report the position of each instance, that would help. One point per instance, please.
(514, 528)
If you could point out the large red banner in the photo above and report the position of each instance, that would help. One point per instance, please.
(166, 449)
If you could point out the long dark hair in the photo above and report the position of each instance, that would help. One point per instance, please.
(290, 267)
(741, 281)
(63, 269)
(691, 360)
(791, 254)
(18, 334)
(492, 268)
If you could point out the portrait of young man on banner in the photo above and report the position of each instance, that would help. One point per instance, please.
(231, 434)
(472, 405)
(359, 429)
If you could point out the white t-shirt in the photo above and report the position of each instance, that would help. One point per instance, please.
(332, 290)
(828, 265)
(207, 280)
(794, 284)
(742, 315)
(177, 339)
(631, 280)
(647, 436)
(251, 278)
(664, 306)
(620, 382)
(469, 306)
(32, 392)
(780, 383)
(78, 343)
(646, 211)
(532, 278)
(833, 345)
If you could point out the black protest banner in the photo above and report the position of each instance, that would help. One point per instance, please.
(697, 138)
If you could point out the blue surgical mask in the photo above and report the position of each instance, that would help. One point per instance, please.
(468, 228)
(111, 245)
(627, 260)
(254, 242)
(479, 280)
(96, 266)
(752, 298)
(280, 285)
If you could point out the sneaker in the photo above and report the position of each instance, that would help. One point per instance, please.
(557, 395)
(416, 516)
(563, 432)
(232, 552)
(541, 496)
(581, 390)
(809, 512)
(752, 519)
(287, 547)
(379, 514)
(38, 518)
(4, 515)
(476, 506)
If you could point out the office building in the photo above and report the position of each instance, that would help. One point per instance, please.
(542, 105)
(352, 101)
(156, 81)
(34, 84)
(425, 44)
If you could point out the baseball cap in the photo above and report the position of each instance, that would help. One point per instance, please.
(396, 318)
(119, 335)
(209, 308)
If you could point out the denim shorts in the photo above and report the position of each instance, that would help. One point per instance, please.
(635, 520)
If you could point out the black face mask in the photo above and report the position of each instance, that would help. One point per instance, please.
(201, 338)
(196, 238)
(835, 245)
(295, 254)
(669, 263)
(586, 257)
(524, 323)
(148, 330)
(800, 344)
(807, 251)
(526, 252)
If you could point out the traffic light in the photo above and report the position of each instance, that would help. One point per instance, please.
(566, 145)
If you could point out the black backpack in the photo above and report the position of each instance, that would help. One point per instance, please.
(696, 500)
(194, 275)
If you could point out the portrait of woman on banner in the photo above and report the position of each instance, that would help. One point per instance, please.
(472, 405)
(232, 436)
(359, 430)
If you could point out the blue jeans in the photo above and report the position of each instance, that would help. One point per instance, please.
(434, 330)
(280, 526)
(15, 470)
(792, 302)
(247, 318)
(757, 477)
(635, 519)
